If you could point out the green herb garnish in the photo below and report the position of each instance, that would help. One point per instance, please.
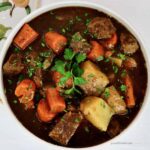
(86, 128)
(80, 57)
(10, 81)
(115, 69)
(123, 73)
(77, 120)
(100, 58)
(15, 101)
(123, 88)
(45, 54)
(121, 56)
(106, 93)
(70, 69)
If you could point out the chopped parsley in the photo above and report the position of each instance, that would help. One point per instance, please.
(16, 50)
(87, 21)
(86, 14)
(123, 88)
(30, 71)
(50, 29)
(10, 81)
(77, 37)
(121, 56)
(15, 101)
(86, 128)
(106, 93)
(115, 69)
(100, 58)
(43, 44)
(123, 73)
(107, 60)
(63, 30)
(77, 120)
(78, 18)
(91, 75)
(102, 104)
(45, 54)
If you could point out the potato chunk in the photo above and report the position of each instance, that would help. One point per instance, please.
(97, 111)
(96, 80)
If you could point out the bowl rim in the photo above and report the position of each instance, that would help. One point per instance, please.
(55, 5)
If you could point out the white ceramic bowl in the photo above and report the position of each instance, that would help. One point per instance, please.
(67, 4)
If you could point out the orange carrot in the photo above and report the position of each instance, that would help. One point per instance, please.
(110, 43)
(55, 101)
(43, 111)
(56, 76)
(25, 90)
(29, 105)
(130, 99)
(96, 52)
(25, 37)
(108, 54)
(55, 41)
(130, 63)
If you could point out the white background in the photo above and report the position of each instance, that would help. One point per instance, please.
(137, 13)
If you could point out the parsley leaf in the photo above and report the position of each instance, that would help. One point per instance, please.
(69, 91)
(59, 66)
(100, 58)
(45, 54)
(76, 70)
(80, 57)
(106, 93)
(115, 69)
(79, 81)
(68, 54)
(64, 79)
(123, 88)
(121, 56)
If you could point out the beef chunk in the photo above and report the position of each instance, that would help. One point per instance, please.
(114, 100)
(38, 77)
(114, 127)
(101, 28)
(25, 37)
(79, 44)
(31, 58)
(66, 127)
(48, 61)
(14, 65)
(96, 80)
(128, 43)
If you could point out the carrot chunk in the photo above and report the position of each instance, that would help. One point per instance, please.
(108, 54)
(55, 41)
(130, 99)
(55, 101)
(25, 37)
(110, 43)
(96, 52)
(25, 91)
(43, 111)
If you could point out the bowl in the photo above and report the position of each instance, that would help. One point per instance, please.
(68, 4)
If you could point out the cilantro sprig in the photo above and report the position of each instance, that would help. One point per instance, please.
(69, 68)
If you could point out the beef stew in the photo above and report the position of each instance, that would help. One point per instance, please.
(78, 69)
